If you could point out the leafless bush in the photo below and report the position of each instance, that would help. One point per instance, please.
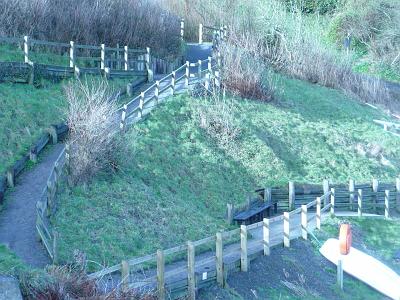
(93, 135)
(136, 23)
(69, 283)
(216, 115)
(244, 70)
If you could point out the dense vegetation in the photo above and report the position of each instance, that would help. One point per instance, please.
(175, 179)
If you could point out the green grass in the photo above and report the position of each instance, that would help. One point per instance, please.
(25, 111)
(10, 264)
(175, 181)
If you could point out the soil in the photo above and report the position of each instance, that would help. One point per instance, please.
(299, 272)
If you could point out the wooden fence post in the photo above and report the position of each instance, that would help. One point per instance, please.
(267, 195)
(107, 73)
(219, 259)
(141, 104)
(123, 118)
(340, 273)
(72, 54)
(359, 201)
(191, 271)
(157, 91)
(118, 57)
(332, 202)
(125, 275)
(229, 213)
(55, 241)
(318, 213)
(200, 33)
(325, 186)
(292, 195)
(11, 177)
(375, 187)
(147, 65)
(160, 275)
(398, 194)
(187, 73)
(244, 263)
(173, 80)
(77, 72)
(387, 204)
(26, 49)
(199, 68)
(102, 56)
(266, 237)
(286, 229)
(126, 58)
(351, 192)
(304, 222)
(182, 29)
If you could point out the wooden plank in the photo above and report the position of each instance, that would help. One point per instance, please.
(360, 202)
(387, 212)
(125, 275)
(318, 213)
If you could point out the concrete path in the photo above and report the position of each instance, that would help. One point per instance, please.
(18, 217)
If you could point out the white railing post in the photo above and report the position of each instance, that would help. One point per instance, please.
(209, 65)
(266, 237)
(219, 258)
(387, 212)
(292, 195)
(102, 56)
(359, 201)
(304, 222)
(26, 49)
(318, 213)
(126, 58)
(107, 73)
(77, 72)
(187, 74)
(325, 186)
(286, 229)
(351, 193)
(332, 202)
(71, 54)
(200, 33)
(182, 28)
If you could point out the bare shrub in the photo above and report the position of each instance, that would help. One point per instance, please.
(136, 23)
(244, 71)
(68, 282)
(93, 133)
(216, 115)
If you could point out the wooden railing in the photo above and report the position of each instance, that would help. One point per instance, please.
(186, 277)
(68, 59)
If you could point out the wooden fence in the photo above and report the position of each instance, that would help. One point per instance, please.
(184, 269)
(70, 59)
(295, 195)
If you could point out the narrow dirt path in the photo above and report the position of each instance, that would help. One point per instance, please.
(18, 217)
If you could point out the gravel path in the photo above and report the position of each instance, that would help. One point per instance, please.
(18, 217)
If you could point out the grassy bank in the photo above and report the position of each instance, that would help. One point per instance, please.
(174, 181)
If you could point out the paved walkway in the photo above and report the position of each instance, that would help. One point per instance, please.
(18, 216)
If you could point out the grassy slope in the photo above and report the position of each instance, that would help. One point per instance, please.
(24, 112)
(175, 181)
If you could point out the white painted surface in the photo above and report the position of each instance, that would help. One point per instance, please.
(365, 268)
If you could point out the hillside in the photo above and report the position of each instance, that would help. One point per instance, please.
(173, 181)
